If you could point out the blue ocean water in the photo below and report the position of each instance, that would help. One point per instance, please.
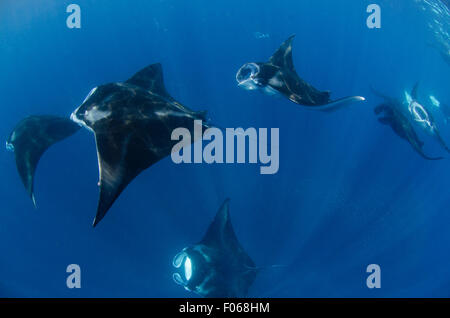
(349, 192)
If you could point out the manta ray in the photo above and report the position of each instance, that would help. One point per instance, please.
(423, 117)
(217, 266)
(392, 113)
(132, 122)
(279, 77)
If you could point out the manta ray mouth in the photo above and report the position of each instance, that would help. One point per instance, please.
(246, 76)
(419, 112)
(80, 122)
(183, 263)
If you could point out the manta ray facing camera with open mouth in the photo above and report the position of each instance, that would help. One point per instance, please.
(132, 123)
(278, 77)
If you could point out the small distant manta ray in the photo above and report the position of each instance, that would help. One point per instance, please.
(217, 266)
(392, 115)
(132, 123)
(423, 117)
(260, 35)
(278, 76)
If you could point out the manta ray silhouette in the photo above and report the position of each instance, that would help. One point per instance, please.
(217, 266)
(278, 76)
(132, 123)
(393, 113)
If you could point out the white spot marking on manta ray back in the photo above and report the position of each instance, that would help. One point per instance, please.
(275, 81)
(167, 113)
(95, 115)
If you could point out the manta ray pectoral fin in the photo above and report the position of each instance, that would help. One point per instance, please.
(414, 92)
(122, 155)
(134, 136)
(150, 78)
(339, 103)
(220, 227)
(220, 235)
(202, 114)
(384, 120)
(31, 138)
(283, 56)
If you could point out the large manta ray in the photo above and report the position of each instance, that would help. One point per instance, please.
(423, 117)
(132, 123)
(217, 266)
(392, 114)
(278, 76)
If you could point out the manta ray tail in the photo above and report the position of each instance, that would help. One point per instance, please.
(429, 158)
(31, 138)
(419, 150)
(442, 142)
(339, 103)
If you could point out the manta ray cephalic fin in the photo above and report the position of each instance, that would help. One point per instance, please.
(31, 138)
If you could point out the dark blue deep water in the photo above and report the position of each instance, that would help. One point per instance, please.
(349, 192)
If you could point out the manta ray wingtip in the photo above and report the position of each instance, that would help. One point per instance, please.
(34, 201)
(225, 205)
(101, 212)
(290, 39)
(96, 221)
